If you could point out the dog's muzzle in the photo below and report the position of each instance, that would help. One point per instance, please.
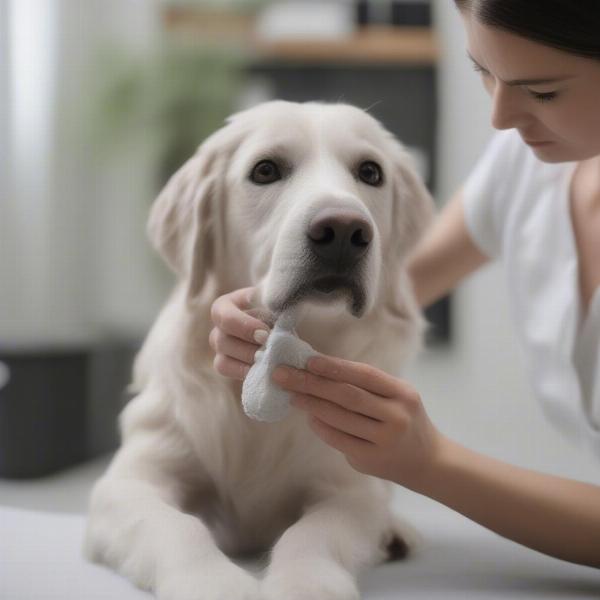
(337, 243)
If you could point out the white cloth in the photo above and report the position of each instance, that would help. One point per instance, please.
(518, 208)
(262, 399)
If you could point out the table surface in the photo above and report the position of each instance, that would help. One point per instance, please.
(40, 558)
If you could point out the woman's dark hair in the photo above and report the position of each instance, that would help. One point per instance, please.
(568, 25)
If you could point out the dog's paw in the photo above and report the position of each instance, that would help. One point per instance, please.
(401, 540)
(222, 581)
(309, 580)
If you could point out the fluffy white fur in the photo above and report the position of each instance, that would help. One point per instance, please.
(195, 479)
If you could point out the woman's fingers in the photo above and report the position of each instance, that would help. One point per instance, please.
(347, 444)
(228, 314)
(343, 394)
(360, 375)
(237, 335)
(232, 347)
(229, 367)
(339, 418)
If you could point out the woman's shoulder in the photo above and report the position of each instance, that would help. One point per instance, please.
(505, 182)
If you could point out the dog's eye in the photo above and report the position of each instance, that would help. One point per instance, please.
(370, 172)
(266, 171)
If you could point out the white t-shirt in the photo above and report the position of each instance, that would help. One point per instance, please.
(518, 208)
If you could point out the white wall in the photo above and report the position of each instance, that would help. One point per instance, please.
(129, 279)
(26, 206)
(74, 262)
(4, 151)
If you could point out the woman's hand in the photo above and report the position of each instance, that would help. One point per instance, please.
(237, 334)
(376, 420)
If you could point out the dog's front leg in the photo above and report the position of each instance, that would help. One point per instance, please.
(137, 527)
(319, 556)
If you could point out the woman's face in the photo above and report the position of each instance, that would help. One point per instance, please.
(551, 97)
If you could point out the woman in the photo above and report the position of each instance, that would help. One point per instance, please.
(534, 200)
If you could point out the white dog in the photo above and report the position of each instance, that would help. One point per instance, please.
(313, 204)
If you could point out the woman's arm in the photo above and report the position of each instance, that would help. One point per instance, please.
(556, 516)
(559, 517)
(380, 424)
(445, 255)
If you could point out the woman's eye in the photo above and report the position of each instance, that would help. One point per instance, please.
(543, 97)
(483, 72)
(266, 171)
(370, 173)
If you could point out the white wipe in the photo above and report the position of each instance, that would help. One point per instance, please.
(262, 399)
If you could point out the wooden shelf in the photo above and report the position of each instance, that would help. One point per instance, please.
(417, 46)
(211, 25)
(371, 45)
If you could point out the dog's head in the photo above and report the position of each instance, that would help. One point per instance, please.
(309, 202)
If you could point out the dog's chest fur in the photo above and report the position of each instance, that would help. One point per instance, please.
(261, 474)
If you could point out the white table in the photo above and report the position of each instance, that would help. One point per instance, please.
(40, 559)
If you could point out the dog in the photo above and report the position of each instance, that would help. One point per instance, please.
(312, 204)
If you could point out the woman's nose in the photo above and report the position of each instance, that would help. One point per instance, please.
(507, 112)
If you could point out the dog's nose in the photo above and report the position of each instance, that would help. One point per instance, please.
(339, 236)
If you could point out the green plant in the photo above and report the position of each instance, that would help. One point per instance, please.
(170, 100)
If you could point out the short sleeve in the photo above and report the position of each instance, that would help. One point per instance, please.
(486, 194)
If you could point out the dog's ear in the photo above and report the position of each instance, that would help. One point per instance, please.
(413, 204)
(413, 210)
(182, 221)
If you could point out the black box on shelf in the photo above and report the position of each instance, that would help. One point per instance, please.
(400, 13)
(416, 13)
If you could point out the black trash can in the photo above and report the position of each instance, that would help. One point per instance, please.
(59, 407)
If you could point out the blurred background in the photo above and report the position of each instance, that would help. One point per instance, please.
(100, 101)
